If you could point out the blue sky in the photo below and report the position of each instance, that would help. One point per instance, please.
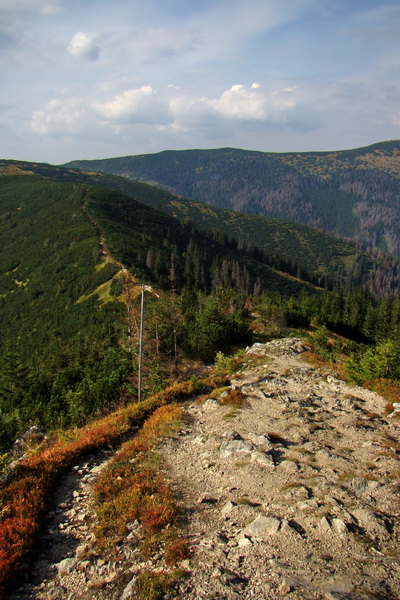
(102, 78)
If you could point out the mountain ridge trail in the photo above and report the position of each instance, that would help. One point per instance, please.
(293, 492)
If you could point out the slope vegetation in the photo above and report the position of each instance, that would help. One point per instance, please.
(352, 193)
(67, 253)
(292, 248)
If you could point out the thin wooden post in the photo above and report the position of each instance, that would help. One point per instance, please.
(141, 346)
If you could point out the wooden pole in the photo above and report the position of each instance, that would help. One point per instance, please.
(141, 346)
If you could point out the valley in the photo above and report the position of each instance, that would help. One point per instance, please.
(267, 471)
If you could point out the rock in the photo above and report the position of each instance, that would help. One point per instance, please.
(284, 589)
(285, 527)
(32, 437)
(308, 505)
(297, 493)
(262, 527)
(232, 435)
(262, 458)
(368, 521)
(296, 581)
(231, 447)
(341, 584)
(210, 404)
(228, 508)
(66, 566)
(261, 441)
(244, 542)
(395, 410)
(331, 379)
(129, 590)
(359, 485)
(288, 466)
(324, 524)
(256, 348)
(339, 526)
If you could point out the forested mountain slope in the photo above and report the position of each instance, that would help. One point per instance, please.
(352, 193)
(295, 249)
(65, 257)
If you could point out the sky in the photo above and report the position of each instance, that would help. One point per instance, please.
(87, 79)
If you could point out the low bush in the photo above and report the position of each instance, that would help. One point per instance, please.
(131, 489)
(23, 498)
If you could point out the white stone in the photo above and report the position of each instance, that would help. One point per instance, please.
(262, 458)
(262, 527)
(324, 524)
(210, 404)
(244, 542)
(66, 566)
(234, 446)
(339, 526)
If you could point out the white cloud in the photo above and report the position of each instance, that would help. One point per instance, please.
(58, 116)
(84, 45)
(252, 103)
(139, 105)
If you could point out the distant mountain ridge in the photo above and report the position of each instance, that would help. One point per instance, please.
(350, 193)
(289, 248)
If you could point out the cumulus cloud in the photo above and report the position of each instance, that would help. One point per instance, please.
(135, 105)
(58, 116)
(254, 103)
(178, 114)
(84, 45)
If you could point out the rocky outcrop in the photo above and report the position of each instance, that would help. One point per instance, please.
(304, 481)
(294, 493)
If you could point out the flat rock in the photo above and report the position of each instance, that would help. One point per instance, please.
(261, 441)
(262, 458)
(210, 404)
(262, 527)
(231, 447)
(369, 522)
(339, 526)
(66, 566)
(343, 585)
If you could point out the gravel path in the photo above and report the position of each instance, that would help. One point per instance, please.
(294, 494)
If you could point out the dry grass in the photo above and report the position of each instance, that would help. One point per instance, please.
(234, 398)
(23, 499)
(130, 488)
(152, 585)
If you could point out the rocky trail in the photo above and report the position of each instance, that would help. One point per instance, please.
(295, 494)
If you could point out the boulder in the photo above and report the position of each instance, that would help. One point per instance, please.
(262, 527)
